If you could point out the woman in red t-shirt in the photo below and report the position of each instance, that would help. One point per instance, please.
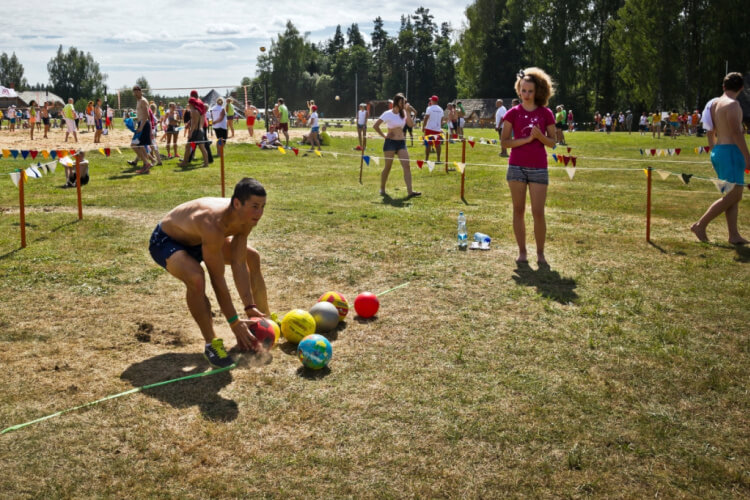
(532, 125)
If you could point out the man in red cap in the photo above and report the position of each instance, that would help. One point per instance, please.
(432, 127)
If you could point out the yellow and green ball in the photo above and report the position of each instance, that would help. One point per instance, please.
(297, 324)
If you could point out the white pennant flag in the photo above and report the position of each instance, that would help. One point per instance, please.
(431, 165)
(15, 177)
(52, 166)
(723, 186)
(663, 174)
(39, 169)
(460, 166)
(571, 172)
(335, 154)
(375, 160)
(671, 152)
(67, 161)
(32, 172)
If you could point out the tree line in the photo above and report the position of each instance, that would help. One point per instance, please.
(604, 55)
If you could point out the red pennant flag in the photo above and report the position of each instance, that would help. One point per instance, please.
(568, 150)
(573, 159)
(192, 146)
(72, 152)
(259, 145)
(106, 151)
(454, 136)
(566, 159)
(420, 163)
(471, 143)
(33, 154)
(677, 151)
(707, 149)
(653, 152)
(62, 153)
(296, 151)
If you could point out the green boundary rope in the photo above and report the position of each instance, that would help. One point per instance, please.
(113, 396)
(142, 388)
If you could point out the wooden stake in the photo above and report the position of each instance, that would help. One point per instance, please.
(648, 206)
(463, 160)
(78, 186)
(221, 155)
(22, 211)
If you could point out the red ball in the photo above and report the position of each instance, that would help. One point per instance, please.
(264, 332)
(366, 304)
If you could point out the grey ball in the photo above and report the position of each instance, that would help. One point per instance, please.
(326, 316)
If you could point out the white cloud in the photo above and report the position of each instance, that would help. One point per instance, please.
(223, 29)
(218, 46)
(133, 37)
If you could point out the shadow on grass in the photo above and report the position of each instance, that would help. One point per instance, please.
(202, 392)
(657, 247)
(548, 283)
(396, 202)
(309, 374)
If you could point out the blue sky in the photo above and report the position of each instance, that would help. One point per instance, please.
(186, 43)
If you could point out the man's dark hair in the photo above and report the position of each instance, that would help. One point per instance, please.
(281, 100)
(246, 188)
(136, 87)
(733, 82)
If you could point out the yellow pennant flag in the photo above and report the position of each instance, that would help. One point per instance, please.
(45, 154)
(101, 150)
(6, 153)
(645, 171)
(118, 150)
(317, 152)
(460, 166)
(25, 176)
(281, 150)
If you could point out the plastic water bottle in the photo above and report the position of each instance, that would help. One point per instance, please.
(462, 234)
(482, 238)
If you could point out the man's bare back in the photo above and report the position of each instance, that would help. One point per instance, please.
(726, 114)
(193, 222)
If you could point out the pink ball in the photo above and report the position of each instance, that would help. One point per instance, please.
(366, 304)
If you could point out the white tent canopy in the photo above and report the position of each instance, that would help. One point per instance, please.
(6, 92)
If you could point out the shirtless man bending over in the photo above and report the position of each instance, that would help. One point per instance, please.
(730, 158)
(215, 231)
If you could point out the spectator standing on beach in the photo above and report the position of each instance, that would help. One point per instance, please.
(98, 127)
(220, 119)
(251, 114)
(69, 115)
(432, 127)
(230, 115)
(32, 117)
(283, 119)
(44, 112)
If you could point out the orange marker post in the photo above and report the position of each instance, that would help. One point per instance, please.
(23, 209)
(78, 186)
(648, 205)
(221, 155)
(447, 140)
(463, 160)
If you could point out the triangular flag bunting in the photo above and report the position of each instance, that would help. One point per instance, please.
(192, 146)
(6, 153)
(296, 151)
(33, 154)
(317, 152)
(101, 150)
(685, 178)
(677, 151)
(259, 144)
(653, 152)
(14, 152)
(723, 186)
(571, 172)
(707, 149)
(696, 150)
(641, 152)
(61, 153)
(38, 171)
(471, 143)
(663, 174)
(460, 166)
(118, 150)
(281, 150)
(566, 159)
(32, 172)
(72, 151)
(15, 177)
(454, 136)
(376, 160)
(52, 166)
(573, 159)
(107, 151)
(420, 163)
(568, 149)
(670, 152)
(554, 157)
(53, 154)
(645, 171)
(367, 160)
(335, 154)
(431, 165)
(25, 176)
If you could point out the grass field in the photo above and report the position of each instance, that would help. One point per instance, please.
(620, 372)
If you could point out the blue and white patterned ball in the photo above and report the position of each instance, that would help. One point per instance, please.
(314, 351)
